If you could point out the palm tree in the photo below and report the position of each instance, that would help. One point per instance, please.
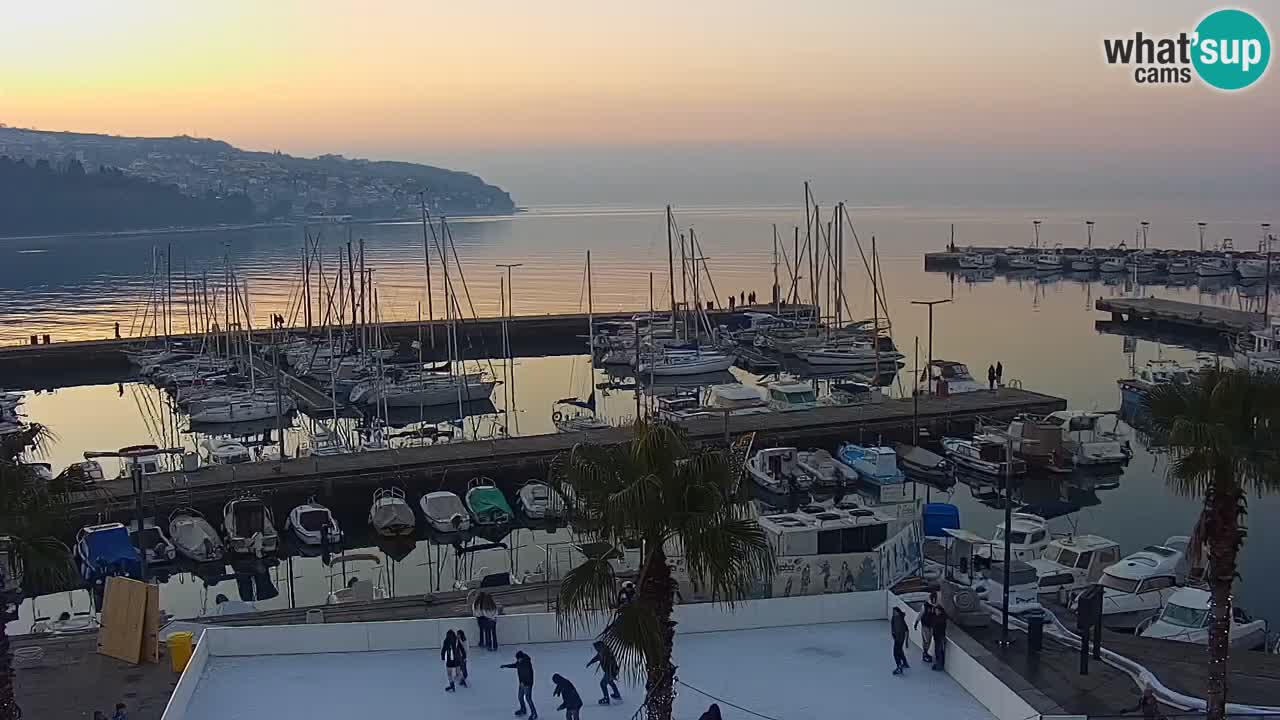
(1222, 433)
(30, 513)
(657, 491)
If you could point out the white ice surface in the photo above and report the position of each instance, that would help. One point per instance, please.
(814, 672)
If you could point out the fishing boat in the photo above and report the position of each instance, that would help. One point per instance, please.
(314, 524)
(194, 537)
(1084, 262)
(352, 587)
(150, 539)
(249, 526)
(984, 454)
(390, 515)
(977, 261)
(105, 550)
(1139, 585)
(1140, 262)
(1186, 617)
(1020, 259)
(1050, 261)
(224, 451)
(1111, 264)
(486, 503)
(538, 501)
(820, 466)
(777, 470)
(1215, 267)
(445, 512)
(686, 362)
(877, 469)
(922, 464)
(1256, 269)
(1153, 374)
(1181, 266)
(1073, 562)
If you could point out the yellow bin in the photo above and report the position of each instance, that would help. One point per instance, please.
(181, 645)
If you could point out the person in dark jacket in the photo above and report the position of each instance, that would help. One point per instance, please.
(449, 654)
(898, 629)
(711, 713)
(991, 376)
(924, 621)
(462, 658)
(608, 671)
(939, 638)
(1000, 374)
(570, 701)
(1148, 704)
(524, 674)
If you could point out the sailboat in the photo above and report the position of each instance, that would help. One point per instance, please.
(571, 414)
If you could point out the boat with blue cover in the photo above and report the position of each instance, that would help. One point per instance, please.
(105, 550)
(877, 468)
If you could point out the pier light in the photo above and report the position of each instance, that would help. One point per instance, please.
(930, 304)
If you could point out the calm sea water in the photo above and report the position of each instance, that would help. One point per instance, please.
(1041, 329)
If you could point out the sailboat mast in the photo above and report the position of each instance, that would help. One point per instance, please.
(776, 290)
(591, 334)
(306, 277)
(671, 273)
(426, 266)
(875, 306)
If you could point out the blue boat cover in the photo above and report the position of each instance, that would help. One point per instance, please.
(109, 552)
(938, 517)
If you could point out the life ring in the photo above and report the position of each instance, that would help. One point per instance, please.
(557, 416)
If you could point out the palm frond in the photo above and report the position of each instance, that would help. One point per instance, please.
(634, 636)
(728, 557)
(585, 590)
(47, 565)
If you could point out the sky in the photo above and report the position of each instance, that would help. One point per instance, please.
(707, 100)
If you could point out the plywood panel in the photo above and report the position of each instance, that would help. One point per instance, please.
(151, 625)
(123, 612)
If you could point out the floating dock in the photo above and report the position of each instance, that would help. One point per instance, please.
(949, 259)
(518, 458)
(1189, 316)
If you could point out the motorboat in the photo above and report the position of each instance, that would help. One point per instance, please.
(1186, 618)
(1027, 536)
(1111, 264)
(249, 526)
(236, 411)
(1084, 262)
(695, 362)
(1181, 266)
(787, 395)
(314, 524)
(736, 398)
(224, 451)
(923, 464)
(1037, 441)
(105, 550)
(11, 567)
(682, 404)
(848, 353)
(1050, 261)
(1024, 595)
(823, 468)
(977, 261)
(1073, 562)
(390, 515)
(1137, 587)
(852, 392)
(877, 469)
(1256, 269)
(151, 540)
(777, 470)
(194, 537)
(146, 464)
(538, 501)
(353, 588)
(573, 415)
(947, 377)
(984, 454)
(1215, 267)
(1085, 441)
(1021, 260)
(1153, 374)
(445, 512)
(486, 503)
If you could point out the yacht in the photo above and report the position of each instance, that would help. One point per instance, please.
(1138, 586)
(984, 454)
(1255, 269)
(977, 261)
(777, 470)
(246, 410)
(877, 469)
(1028, 538)
(1181, 266)
(249, 526)
(1215, 267)
(445, 512)
(1085, 440)
(422, 390)
(848, 353)
(1186, 618)
(1073, 562)
(786, 395)
(686, 362)
(952, 378)
(314, 524)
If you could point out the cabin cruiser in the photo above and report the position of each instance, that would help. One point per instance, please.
(1264, 355)
(486, 503)
(249, 526)
(824, 469)
(353, 588)
(951, 378)
(786, 395)
(314, 524)
(390, 515)
(1215, 267)
(1138, 586)
(1186, 618)
(1050, 261)
(1027, 539)
(736, 398)
(1255, 269)
(877, 468)
(223, 451)
(984, 454)
(445, 512)
(194, 537)
(1073, 562)
(152, 541)
(777, 470)
(538, 501)
(977, 261)
(1086, 443)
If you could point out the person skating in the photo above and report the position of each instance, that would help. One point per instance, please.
(711, 713)
(608, 671)
(570, 701)
(462, 658)
(524, 675)
(449, 654)
(939, 638)
(1148, 704)
(898, 629)
(485, 610)
(924, 621)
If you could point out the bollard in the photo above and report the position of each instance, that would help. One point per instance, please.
(1035, 631)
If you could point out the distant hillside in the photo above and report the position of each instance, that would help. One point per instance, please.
(279, 186)
(41, 199)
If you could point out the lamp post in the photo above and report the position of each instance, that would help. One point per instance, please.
(134, 456)
(1008, 546)
(929, 367)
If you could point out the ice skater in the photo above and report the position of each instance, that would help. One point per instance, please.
(608, 671)
(1147, 704)
(924, 621)
(449, 654)
(570, 701)
(485, 610)
(711, 713)
(524, 675)
(898, 629)
(939, 638)
(462, 657)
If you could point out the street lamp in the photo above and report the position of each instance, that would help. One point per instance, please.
(930, 304)
(134, 456)
(509, 298)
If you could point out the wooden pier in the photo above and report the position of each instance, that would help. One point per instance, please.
(1185, 315)
(524, 457)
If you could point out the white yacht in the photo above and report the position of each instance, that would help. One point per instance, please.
(1215, 267)
(848, 353)
(778, 470)
(314, 524)
(445, 512)
(423, 390)
(1138, 586)
(1185, 618)
(1027, 539)
(787, 394)
(234, 411)
(676, 363)
(1086, 441)
(1073, 562)
(984, 454)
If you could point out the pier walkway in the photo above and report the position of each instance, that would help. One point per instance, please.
(527, 456)
(1193, 316)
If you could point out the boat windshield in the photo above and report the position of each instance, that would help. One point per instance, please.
(1017, 537)
(313, 520)
(1119, 584)
(1068, 558)
(1183, 616)
(802, 396)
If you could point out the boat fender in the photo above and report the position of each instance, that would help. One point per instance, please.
(557, 416)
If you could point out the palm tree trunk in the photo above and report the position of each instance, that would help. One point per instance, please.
(8, 703)
(1224, 505)
(657, 591)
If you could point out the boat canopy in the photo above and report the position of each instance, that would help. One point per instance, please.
(489, 502)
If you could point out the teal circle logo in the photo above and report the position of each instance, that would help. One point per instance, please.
(1232, 49)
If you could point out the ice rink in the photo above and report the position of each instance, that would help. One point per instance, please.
(807, 672)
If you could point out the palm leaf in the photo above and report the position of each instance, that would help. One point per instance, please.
(584, 591)
(634, 636)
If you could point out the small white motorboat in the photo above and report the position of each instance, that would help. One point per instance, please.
(983, 454)
(778, 471)
(352, 587)
(249, 526)
(977, 261)
(152, 541)
(390, 515)
(314, 524)
(445, 512)
(1138, 586)
(1186, 618)
(1215, 267)
(1027, 539)
(194, 537)
(538, 501)
(821, 467)
(1072, 563)
(224, 451)
(696, 362)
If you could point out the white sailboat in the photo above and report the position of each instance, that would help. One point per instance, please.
(686, 362)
